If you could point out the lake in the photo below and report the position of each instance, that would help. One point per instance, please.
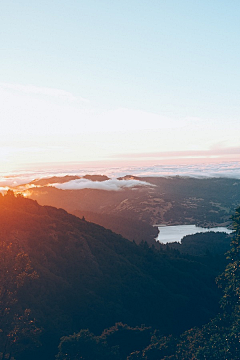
(169, 234)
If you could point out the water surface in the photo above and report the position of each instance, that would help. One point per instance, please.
(169, 234)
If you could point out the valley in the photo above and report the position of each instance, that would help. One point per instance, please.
(132, 212)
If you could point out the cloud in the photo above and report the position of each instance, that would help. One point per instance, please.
(50, 92)
(133, 120)
(16, 181)
(196, 170)
(109, 185)
(3, 189)
(215, 151)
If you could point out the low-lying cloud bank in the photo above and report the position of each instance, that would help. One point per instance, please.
(109, 185)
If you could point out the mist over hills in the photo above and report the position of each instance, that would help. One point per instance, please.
(89, 277)
(146, 201)
(217, 169)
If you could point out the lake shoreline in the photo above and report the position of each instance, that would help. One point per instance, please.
(175, 233)
(206, 225)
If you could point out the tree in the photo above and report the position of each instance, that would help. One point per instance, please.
(15, 323)
(86, 346)
(220, 338)
(230, 279)
(128, 339)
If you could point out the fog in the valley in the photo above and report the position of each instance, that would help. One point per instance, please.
(110, 185)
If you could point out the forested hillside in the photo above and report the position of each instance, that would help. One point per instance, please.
(60, 274)
(171, 200)
(133, 230)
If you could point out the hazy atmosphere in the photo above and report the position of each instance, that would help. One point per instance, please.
(119, 180)
(118, 82)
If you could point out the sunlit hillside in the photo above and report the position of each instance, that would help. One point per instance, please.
(61, 274)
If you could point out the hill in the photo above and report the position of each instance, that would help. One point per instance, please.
(131, 229)
(70, 274)
(174, 200)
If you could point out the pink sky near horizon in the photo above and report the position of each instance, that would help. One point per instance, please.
(95, 166)
(104, 84)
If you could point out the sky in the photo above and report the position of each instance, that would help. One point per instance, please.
(118, 82)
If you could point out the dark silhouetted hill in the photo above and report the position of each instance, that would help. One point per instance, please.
(133, 230)
(90, 277)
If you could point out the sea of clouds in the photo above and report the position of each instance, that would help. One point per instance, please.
(227, 169)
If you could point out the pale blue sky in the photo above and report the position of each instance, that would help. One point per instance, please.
(91, 80)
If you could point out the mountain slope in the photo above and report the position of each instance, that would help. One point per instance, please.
(133, 230)
(172, 200)
(89, 277)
